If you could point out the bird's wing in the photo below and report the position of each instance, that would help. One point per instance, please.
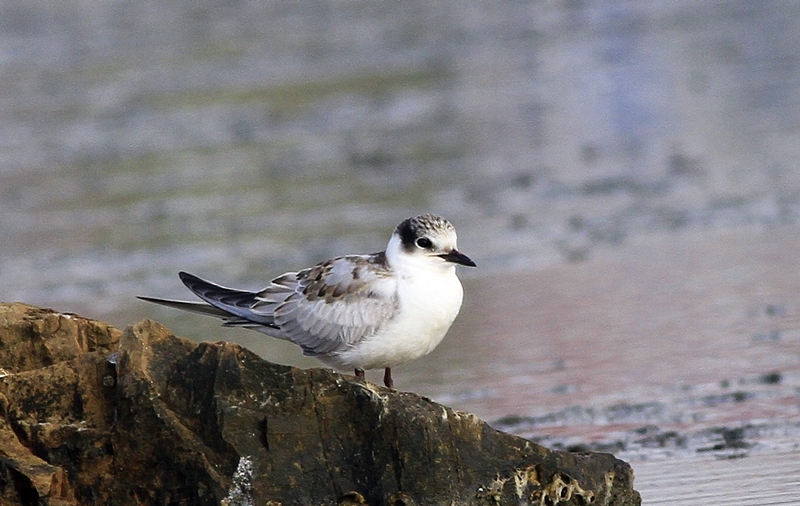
(237, 307)
(334, 304)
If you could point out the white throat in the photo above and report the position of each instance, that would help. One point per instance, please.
(429, 294)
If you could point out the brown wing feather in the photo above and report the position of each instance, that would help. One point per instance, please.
(333, 304)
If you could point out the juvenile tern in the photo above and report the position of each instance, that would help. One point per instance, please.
(356, 311)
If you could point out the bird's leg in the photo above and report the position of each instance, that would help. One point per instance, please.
(359, 373)
(387, 378)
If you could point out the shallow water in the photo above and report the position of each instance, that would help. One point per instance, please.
(756, 481)
(624, 173)
(144, 138)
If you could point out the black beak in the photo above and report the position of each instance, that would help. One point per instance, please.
(457, 257)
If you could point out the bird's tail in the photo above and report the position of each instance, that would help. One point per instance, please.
(193, 307)
(236, 307)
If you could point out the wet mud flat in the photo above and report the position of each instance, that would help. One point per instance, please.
(766, 478)
(728, 420)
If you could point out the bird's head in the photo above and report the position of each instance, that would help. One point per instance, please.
(427, 241)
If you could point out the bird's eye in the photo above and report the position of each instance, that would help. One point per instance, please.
(424, 243)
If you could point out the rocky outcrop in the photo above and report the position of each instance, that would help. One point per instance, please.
(93, 415)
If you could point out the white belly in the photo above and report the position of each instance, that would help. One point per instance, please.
(428, 306)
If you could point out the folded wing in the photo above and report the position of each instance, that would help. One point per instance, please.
(334, 304)
(323, 309)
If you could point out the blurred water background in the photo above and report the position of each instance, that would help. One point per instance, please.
(625, 174)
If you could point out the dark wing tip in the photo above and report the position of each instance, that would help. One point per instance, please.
(188, 278)
(197, 285)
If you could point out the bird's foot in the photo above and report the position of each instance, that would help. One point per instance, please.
(387, 376)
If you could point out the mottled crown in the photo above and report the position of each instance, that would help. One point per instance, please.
(419, 226)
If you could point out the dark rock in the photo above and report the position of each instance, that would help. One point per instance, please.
(93, 415)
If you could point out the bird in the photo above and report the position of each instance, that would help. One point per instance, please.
(357, 312)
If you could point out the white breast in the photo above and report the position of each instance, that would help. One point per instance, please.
(429, 302)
